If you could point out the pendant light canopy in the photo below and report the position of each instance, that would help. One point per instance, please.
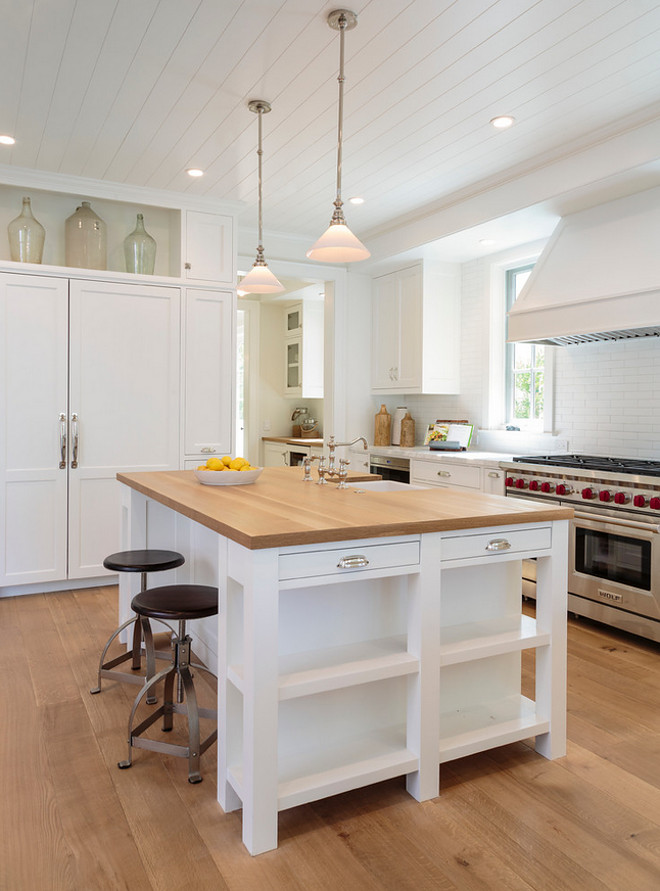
(260, 280)
(338, 244)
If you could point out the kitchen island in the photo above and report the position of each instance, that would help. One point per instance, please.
(362, 635)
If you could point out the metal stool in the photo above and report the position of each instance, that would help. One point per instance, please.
(176, 603)
(144, 562)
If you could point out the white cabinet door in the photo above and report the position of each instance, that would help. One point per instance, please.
(209, 250)
(385, 332)
(33, 394)
(208, 365)
(124, 390)
(397, 331)
(492, 481)
(276, 454)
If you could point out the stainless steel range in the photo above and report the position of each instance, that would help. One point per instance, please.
(614, 546)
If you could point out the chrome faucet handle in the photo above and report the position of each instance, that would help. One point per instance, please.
(322, 481)
(343, 473)
(307, 467)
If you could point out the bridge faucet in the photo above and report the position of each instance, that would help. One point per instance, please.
(330, 471)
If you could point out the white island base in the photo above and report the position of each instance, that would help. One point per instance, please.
(333, 675)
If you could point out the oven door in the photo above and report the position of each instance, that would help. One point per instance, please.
(615, 561)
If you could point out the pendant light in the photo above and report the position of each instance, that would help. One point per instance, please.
(260, 280)
(338, 244)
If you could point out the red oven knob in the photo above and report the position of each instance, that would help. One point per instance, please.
(604, 495)
(654, 503)
(563, 489)
(520, 484)
(587, 493)
(508, 481)
(621, 498)
(548, 487)
(533, 485)
(639, 501)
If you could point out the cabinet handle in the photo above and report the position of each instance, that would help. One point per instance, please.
(187, 266)
(444, 473)
(494, 474)
(62, 441)
(498, 544)
(207, 449)
(74, 436)
(352, 561)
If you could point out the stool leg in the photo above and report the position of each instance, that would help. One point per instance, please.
(150, 652)
(194, 775)
(119, 630)
(168, 700)
(143, 692)
(137, 647)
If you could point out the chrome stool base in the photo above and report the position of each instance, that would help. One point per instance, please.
(178, 669)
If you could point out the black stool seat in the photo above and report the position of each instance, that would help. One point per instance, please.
(177, 602)
(147, 560)
(144, 561)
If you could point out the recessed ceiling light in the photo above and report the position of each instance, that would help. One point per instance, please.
(356, 200)
(502, 121)
(195, 171)
(7, 140)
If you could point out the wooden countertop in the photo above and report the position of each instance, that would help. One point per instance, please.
(280, 510)
(295, 440)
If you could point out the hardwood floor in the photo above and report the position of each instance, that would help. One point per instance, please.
(506, 819)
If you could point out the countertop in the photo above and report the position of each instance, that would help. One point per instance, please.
(424, 453)
(295, 440)
(280, 510)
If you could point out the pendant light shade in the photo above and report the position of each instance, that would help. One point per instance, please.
(260, 280)
(338, 244)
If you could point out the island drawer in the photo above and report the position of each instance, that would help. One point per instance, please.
(507, 541)
(348, 560)
(442, 473)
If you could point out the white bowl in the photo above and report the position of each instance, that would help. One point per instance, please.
(227, 477)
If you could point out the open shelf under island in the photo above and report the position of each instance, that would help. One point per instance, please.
(362, 635)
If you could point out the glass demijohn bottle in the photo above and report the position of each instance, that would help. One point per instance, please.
(140, 250)
(85, 239)
(26, 236)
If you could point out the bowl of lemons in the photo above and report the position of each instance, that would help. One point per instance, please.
(227, 471)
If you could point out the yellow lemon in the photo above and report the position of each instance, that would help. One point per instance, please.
(214, 464)
(202, 467)
(226, 460)
(237, 463)
(246, 467)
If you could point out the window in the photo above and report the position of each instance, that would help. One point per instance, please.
(525, 366)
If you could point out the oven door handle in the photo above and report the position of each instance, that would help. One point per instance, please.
(615, 521)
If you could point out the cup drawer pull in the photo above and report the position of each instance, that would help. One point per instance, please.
(444, 473)
(353, 561)
(498, 544)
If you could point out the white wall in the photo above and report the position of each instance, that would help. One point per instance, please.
(607, 397)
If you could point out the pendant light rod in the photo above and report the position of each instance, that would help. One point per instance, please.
(260, 107)
(341, 20)
(260, 280)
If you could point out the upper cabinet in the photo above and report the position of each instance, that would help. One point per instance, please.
(192, 243)
(303, 349)
(209, 247)
(416, 330)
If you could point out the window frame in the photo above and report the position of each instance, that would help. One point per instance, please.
(532, 423)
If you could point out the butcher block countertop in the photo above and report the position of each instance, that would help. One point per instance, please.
(279, 510)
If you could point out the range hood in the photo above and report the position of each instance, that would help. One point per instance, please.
(597, 279)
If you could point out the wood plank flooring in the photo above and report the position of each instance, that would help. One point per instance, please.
(506, 819)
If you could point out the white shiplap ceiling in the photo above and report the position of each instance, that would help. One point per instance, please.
(137, 91)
